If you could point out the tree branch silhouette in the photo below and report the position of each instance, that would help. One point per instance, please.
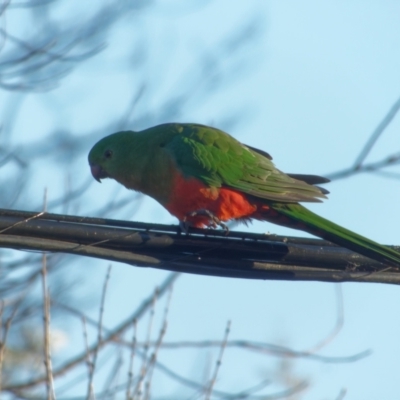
(377, 166)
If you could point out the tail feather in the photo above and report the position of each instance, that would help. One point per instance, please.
(304, 219)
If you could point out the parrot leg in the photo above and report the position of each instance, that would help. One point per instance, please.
(214, 220)
(184, 226)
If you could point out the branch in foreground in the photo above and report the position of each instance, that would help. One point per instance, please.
(205, 252)
(376, 167)
(118, 330)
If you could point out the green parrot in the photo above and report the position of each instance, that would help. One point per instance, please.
(205, 177)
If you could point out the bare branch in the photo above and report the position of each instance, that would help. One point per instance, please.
(131, 359)
(143, 308)
(262, 348)
(22, 222)
(211, 384)
(89, 362)
(99, 336)
(46, 323)
(145, 362)
(342, 394)
(388, 118)
(375, 167)
(153, 359)
(339, 321)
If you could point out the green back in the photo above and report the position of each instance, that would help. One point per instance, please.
(218, 160)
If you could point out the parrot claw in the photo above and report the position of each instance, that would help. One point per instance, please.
(184, 226)
(214, 220)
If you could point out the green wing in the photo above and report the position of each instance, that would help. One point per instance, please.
(219, 160)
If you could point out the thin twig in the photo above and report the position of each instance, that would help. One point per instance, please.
(342, 394)
(143, 370)
(153, 360)
(45, 200)
(372, 167)
(7, 325)
(90, 394)
(218, 363)
(157, 346)
(261, 348)
(46, 320)
(358, 165)
(2, 341)
(46, 323)
(131, 360)
(86, 342)
(24, 221)
(111, 386)
(4, 6)
(377, 133)
(338, 325)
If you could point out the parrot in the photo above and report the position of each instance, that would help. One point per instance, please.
(205, 177)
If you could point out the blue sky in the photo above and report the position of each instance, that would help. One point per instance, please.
(309, 86)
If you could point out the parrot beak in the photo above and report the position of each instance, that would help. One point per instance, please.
(98, 172)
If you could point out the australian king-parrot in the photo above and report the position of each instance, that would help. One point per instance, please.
(204, 177)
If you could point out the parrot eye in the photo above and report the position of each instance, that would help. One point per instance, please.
(108, 154)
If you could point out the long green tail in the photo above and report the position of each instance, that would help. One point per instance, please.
(304, 219)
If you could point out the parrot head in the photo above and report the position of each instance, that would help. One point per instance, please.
(106, 154)
(115, 156)
(100, 158)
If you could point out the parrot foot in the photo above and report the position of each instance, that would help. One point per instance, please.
(184, 226)
(214, 220)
